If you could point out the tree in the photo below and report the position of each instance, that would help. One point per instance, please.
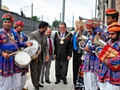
(55, 23)
(35, 18)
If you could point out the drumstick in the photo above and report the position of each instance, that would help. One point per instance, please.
(14, 53)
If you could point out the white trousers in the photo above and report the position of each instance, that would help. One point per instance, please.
(23, 81)
(108, 86)
(102, 86)
(16, 81)
(111, 87)
(5, 83)
(90, 81)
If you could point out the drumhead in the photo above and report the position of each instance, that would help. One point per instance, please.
(22, 58)
(32, 49)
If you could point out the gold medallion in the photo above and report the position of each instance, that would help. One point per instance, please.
(61, 42)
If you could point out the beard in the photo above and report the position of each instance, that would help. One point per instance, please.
(115, 39)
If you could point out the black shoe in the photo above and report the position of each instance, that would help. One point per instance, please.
(48, 81)
(42, 82)
(40, 85)
(65, 81)
(58, 81)
(37, 88)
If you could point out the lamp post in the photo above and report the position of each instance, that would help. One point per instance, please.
(95, 8)
(63, 11)
(0, 4)
(73, 21)
(31, 9)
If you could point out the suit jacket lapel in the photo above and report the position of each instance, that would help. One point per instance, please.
(66, 33)
(38, 36)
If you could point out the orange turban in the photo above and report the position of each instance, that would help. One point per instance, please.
(89, 23)
(8, 16)
(114, 27)
(19, 23)
(111, 12)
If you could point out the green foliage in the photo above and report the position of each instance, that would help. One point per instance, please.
(35, 18)
(55, 23)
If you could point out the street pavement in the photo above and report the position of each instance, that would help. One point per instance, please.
(53, 86)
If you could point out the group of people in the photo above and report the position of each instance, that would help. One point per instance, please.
(91, 70)
(13, 39)
(96, 66)
(59, 48)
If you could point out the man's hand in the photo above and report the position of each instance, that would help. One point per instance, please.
(47, 58)
(68, 57)
(5, 55)
(36, 59)
(87, 48)
(29, 44)
(106, 61)
(54, 56)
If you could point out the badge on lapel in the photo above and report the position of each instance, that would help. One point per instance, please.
(67, 38)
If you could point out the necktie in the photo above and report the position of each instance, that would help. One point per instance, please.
(62, 35)
(50, 46)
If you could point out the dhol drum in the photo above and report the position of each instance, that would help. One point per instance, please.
(22, 59)
(33, 50)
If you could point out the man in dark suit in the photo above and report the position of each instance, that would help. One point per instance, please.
(36, 64)
(62, 53)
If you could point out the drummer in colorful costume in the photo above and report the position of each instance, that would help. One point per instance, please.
(112, 16)
(23, 38)
(110, 72)
(9, 42)
(6, 46)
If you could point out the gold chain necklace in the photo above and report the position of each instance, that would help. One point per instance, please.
(62, 39)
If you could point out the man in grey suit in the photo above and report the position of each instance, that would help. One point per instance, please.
(36, 64)
(46, 65)
(63, 52)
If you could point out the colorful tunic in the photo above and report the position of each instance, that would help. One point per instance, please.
(88, 59)
(97, 62)
(80, 81)
(108, 75)
(22, 38)
(8, 43)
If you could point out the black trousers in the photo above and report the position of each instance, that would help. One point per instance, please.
(61, 68)
(76, 63)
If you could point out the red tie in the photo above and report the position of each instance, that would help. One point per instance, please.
(50, 46)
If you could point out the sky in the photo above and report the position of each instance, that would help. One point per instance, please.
(51, 9)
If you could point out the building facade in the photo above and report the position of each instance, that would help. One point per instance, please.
(103, 5)
(118, 8)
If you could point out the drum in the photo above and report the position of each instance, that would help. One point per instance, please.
(106, 54)
(22, 59)
(33, 50)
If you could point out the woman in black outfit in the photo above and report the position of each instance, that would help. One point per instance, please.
(77, 52)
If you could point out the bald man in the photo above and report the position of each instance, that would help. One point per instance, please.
(46, 66)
